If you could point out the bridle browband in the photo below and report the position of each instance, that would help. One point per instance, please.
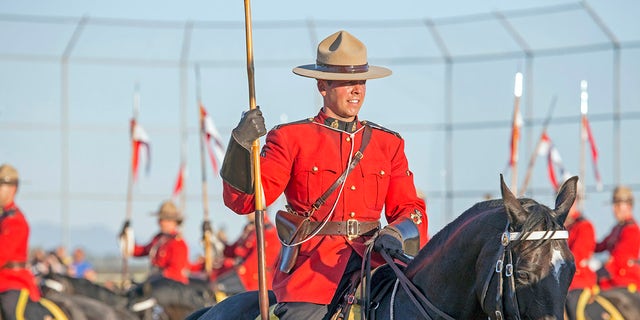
(503, 266)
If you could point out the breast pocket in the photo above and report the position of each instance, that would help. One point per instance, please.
(312, 177)
(376, 176)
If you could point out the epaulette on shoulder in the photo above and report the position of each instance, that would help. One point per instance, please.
(307, 120)
(379, 127)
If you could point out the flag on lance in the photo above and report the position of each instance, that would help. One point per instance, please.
(594, 150)
(586, 134)
(141, 148)
(554, 161)
(180, 180)
(215, 148)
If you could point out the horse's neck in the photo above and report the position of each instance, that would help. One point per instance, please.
(454, 266)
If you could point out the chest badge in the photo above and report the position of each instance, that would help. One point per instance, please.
(416, 216)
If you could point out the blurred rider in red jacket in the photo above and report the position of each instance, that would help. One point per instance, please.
(622, 243)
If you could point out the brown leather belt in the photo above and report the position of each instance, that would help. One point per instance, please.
(351, 228)
(14, 265)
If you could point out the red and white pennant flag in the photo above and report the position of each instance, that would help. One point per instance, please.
(215, 148)
(548, 149)
(141, 148)
(594, 150)
(180, 181)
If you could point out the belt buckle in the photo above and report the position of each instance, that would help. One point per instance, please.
(353, 229)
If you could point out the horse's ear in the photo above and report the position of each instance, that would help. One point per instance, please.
(515, 211)
(566, 196)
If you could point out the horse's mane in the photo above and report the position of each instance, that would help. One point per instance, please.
(474, 212)
(539, 218)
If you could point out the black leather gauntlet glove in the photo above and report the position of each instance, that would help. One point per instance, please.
(389, 240)
(250, 128)
(236, 166)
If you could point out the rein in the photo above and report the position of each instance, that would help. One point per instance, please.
(412, 291)
(504, 268)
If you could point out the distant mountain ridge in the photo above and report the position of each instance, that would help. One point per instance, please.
(95, 240)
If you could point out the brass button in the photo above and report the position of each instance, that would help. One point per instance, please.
(314, 169)
(353, 187)
(352, 214)
(382, 172)
(348, 139)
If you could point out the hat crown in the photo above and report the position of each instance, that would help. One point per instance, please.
(8, 174)
(622, 193)
(169, 211)
(342, 49)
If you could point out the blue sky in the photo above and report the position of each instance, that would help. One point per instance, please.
(129, 42)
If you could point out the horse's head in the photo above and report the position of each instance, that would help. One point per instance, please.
(534, 266)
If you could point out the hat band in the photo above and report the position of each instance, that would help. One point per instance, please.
(342, 69)
(8, 181)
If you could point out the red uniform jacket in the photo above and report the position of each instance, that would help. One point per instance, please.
(169, 254)
(14, 243)
(303, 160)
(582, 242)
(623, 244)
(245, 252)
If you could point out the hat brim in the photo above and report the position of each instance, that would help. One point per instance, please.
(311, 71)
(157, 214)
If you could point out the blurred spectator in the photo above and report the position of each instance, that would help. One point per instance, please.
(80, 267)
(58, 261)
(38, 262)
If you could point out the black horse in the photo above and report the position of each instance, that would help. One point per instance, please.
(616, 303)
(500, 259)
(162, 299)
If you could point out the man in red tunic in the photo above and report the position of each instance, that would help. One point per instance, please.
(623, 243)
(19, 294)
(243, 274)
(167, 250)
(307, 159)
(582, 243)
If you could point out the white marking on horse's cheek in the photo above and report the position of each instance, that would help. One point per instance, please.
(557, 260)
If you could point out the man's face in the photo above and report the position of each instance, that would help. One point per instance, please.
(7, 193)
(342, 98)
(622, 210)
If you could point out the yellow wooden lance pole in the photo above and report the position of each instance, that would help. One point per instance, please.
(206, 232)
(255, 155)
(517, 126)
(536, 150)
(584, 108)
(125, 240)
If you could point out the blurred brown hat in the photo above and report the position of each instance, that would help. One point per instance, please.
(8, 174)
(169, 211)
(341, 56)
(622, 194)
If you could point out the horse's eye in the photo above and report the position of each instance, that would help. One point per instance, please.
(523, 276)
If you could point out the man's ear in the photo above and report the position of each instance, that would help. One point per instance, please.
(322, 86)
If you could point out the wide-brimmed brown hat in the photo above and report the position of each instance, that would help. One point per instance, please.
(622, 194)
(341, 56)
(169, 211)
(8, 174)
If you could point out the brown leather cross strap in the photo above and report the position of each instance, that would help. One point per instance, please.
(366, 136)
(14, 265)
(351, 227)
